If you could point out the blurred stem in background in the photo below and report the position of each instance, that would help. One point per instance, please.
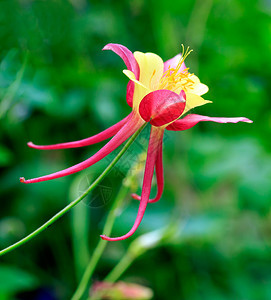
(114, 212)
(79, 227)
(196, 27)
(8, 98)
(126, 187)
(137, 248)
(76, 201)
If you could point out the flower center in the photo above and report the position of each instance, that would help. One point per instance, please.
(174, 79)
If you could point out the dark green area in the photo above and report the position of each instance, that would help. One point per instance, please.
(57, 85)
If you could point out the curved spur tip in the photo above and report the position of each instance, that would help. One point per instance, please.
(135, 196)
(30, 144)
(22, 179)
(104, 237)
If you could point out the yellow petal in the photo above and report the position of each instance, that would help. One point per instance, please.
(193, 100)
(151, 71)
(200, 89)
(131, 76)
(197, 88)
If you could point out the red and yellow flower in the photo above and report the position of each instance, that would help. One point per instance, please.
(158, 92)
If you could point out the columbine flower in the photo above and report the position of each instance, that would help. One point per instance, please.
(159, 93)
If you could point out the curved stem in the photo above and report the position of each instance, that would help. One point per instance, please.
(76, 201)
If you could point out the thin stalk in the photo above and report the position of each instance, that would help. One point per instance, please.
(10, 94)
(76, 201)
(117, 271)
(120, 268)
(101, 244)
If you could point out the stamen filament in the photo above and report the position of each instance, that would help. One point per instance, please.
(173, 79)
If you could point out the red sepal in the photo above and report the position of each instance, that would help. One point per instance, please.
(161, 107)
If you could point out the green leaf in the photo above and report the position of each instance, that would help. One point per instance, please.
(13, 280)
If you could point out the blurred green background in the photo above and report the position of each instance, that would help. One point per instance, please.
(57, 85)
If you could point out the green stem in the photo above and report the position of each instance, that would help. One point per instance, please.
(76, 201)
(12, 90)
(101, 245)
(119, 269)
(196, 27)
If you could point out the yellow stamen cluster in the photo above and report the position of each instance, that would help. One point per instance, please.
(172, 80)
